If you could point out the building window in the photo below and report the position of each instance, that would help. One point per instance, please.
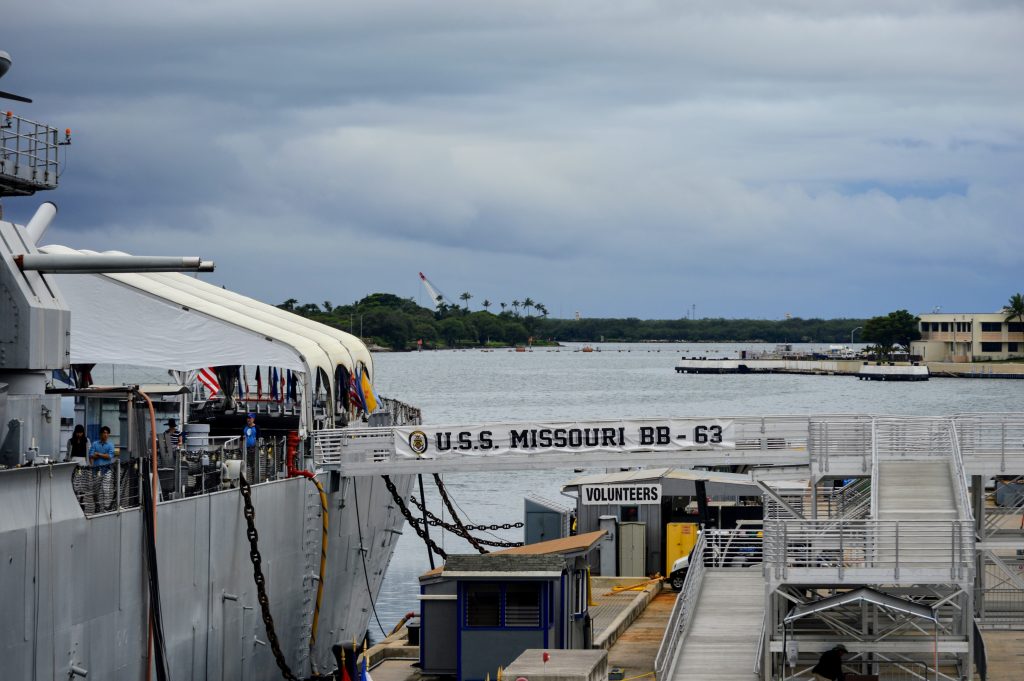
(1013, 347)
(1015, 327)
(483, 605)
(991, 347)
(963, 327)
(510, 606)
(944, 326)
(522, 605)
(991, 327)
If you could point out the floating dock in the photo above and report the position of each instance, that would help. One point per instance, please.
(901, 371)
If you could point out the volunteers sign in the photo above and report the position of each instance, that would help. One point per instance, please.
(624, 495)
(529, 438)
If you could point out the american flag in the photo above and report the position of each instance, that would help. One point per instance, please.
(208, 377)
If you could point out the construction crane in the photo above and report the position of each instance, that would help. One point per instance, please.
(435, 296)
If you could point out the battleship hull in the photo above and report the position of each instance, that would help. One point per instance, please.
(74, 587)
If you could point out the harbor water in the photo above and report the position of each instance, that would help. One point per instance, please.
(620, 381)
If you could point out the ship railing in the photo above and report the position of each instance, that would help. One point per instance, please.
(196, 469)
(106, 489)
(29, 155)
(869, 551)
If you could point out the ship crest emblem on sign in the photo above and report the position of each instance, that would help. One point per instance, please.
(418, 441)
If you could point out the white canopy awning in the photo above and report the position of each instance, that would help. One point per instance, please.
(115, 323)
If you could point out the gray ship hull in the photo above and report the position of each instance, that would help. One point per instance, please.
(74, 592)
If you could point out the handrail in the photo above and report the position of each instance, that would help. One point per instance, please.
(874, 469)
(826, 441)
(898, 550)
(682, 612)
(759, 657)
(964, 495)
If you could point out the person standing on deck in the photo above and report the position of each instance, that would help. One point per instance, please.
(78, 445)
(830, 665)
(101, 452)
(101, 458)
(249, 434)
(170, 440)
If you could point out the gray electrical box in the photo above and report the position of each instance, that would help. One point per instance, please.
(544, 520)
(609, 545)
(632, 549)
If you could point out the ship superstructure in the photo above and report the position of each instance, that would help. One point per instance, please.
(147, 566)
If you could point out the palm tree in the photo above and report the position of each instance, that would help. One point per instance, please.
(528, 305)
(466, 295)
(328, 307)
(1015, 310)
(542, 309)
(486, 304)
(515, 306)
(503, 306)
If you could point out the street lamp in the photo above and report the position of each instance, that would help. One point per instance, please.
(855, 330)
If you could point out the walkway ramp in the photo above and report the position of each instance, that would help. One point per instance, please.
(721, 643)
(915, 490)
(918, 497)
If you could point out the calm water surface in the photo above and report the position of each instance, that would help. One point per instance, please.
(621, 381)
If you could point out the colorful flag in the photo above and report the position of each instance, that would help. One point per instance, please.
(245, 379)
(259, 384)
(281, 394)
(273, 383)
(208, 377)
(367, 391)
(344, 667)
(354, 396)
(241, 393)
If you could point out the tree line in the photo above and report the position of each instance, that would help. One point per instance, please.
(398, 323)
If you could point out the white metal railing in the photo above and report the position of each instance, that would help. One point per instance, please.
(960, 474)
(992, 435)
(717, 549)
(29, 154)
(822, 441)
(682, 612)
(869, 551)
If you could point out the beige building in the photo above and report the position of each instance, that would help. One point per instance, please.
(968, 337)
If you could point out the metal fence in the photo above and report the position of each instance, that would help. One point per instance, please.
(870, 551)
(29, 155)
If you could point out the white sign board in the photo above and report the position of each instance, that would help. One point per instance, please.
(661, 435)
(632, 494)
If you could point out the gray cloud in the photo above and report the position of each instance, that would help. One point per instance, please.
(816, 158)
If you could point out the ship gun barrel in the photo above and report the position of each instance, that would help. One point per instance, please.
(94, 264)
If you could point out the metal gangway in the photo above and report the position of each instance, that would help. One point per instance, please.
(781, 446)
(714, 631)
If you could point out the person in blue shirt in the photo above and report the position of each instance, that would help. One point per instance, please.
(101, 452)
(250, 434)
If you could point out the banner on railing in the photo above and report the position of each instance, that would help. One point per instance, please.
(533, 438)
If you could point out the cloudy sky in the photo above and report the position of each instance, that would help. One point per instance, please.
(627, 158)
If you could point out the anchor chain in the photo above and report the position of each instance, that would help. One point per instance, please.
(261, 581)
(434, 521)
(409, 518)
